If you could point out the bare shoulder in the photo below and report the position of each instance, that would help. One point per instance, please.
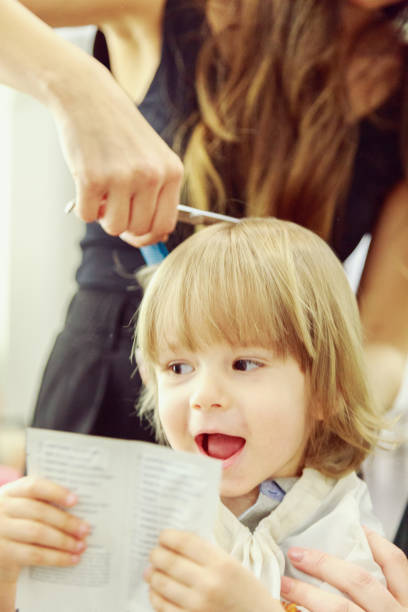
(59, 13)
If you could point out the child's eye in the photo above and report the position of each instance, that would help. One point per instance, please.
(180, 368)
(245, 365)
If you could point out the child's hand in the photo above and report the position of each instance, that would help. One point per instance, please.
(188, 574)
(33, 531)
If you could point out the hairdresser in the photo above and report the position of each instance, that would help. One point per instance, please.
(294, 109)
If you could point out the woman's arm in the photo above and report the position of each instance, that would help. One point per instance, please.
(113, 154)
(59, 13)
(383, 298)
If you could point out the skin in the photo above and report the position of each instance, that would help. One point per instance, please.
(239, 391)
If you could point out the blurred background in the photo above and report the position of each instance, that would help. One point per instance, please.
(35, 287)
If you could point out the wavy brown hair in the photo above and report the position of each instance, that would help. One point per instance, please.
(273, 135)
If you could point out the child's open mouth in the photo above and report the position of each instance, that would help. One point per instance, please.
(219, 446)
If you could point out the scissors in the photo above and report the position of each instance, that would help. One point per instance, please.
(155, 253)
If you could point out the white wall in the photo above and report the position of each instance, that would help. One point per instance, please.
(38, 243)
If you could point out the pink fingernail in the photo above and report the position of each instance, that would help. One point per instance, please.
(71, 499)
(296, 554)
(83, 529)
(285, 585)
(75, 558)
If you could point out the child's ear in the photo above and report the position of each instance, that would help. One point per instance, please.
(142, 369)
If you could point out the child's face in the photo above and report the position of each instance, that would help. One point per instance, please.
(244, 406)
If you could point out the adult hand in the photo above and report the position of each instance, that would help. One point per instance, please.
(366, 593)
(125, 174)
(188, 574)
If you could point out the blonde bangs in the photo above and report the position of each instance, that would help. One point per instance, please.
(223, 291)
(274, 284)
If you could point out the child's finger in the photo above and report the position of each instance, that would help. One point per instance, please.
(188, 544)
(161, 605)
(173, 592)
(23, 508)
(41, 489)
(179, 568)
(26, 555)
(34, 532)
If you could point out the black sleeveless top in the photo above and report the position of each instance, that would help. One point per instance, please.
(109, 263)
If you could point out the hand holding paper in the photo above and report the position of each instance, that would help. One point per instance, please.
(128, 492)
(194, 575)
(35, 529)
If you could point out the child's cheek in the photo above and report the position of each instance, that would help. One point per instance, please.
(174, 421)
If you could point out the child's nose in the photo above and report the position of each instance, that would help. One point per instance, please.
(208, 394)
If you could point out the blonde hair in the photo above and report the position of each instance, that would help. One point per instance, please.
(269, 283)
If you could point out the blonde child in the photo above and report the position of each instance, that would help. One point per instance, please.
(252, 353)
(251, 346)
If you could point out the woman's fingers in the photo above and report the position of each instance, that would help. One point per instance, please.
(313, 598)
(394, 564)
(360, 586)
(141, 212)
(154, 212)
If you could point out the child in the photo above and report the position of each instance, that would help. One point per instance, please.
(251, 347)
(251, 352)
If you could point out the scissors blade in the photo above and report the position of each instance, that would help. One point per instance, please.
(187, 214)
(194, 216)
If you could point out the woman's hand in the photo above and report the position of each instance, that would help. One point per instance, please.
(366, 593)
(188, 574)
(35, 530)
(125, 175)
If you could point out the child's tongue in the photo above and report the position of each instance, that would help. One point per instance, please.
(222, 446)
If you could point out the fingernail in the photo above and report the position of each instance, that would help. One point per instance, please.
(80, 546)
(285, 584)
(75, 558)
(83, 529)
(296, 554)
(147, 573)
(71, 499)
